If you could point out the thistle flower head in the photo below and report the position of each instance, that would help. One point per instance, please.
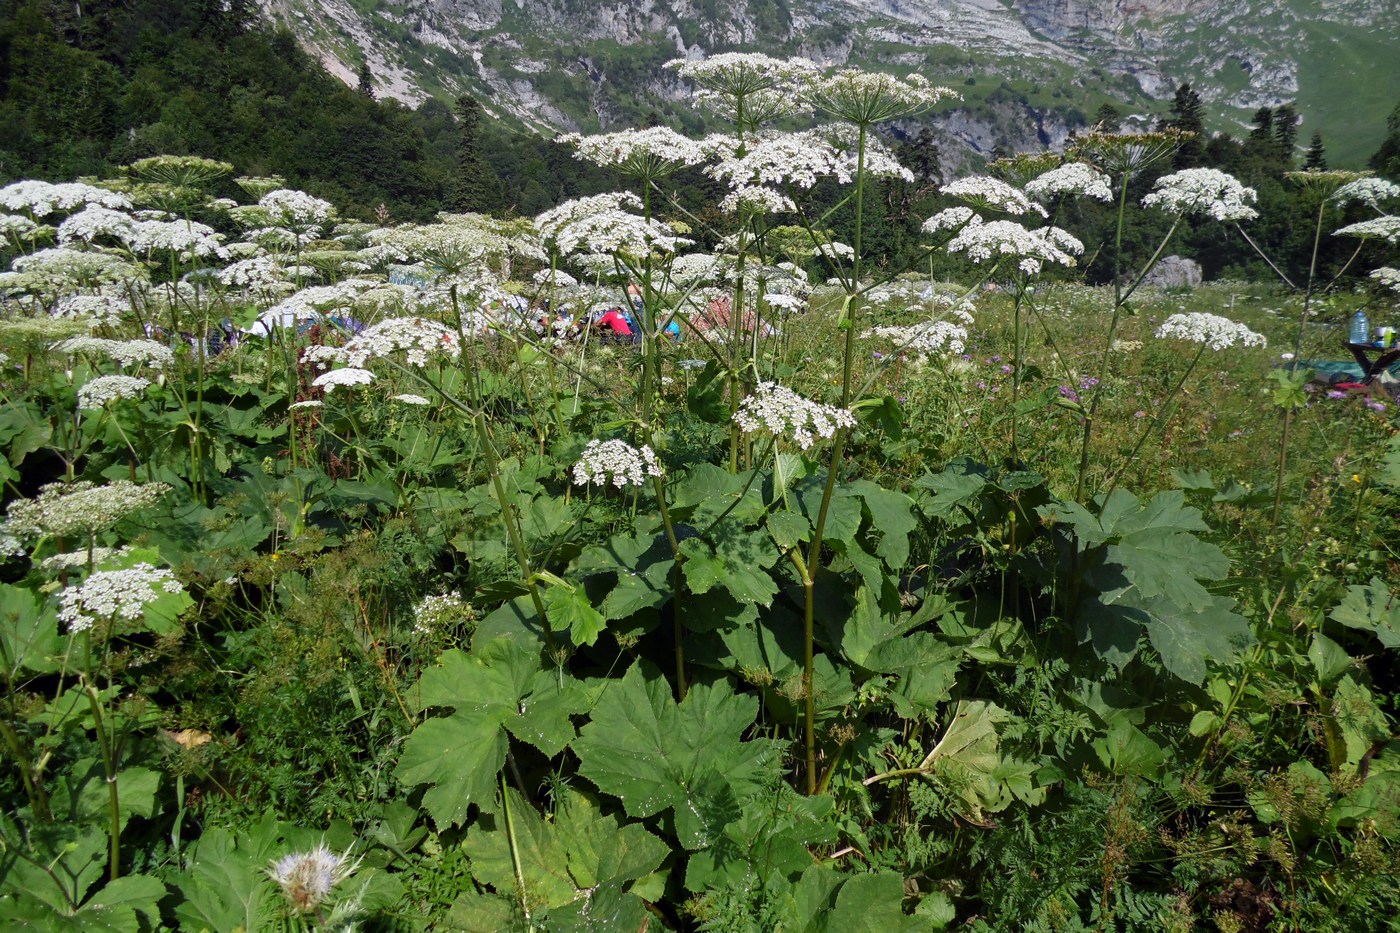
(781, 413)
(307, 878)
(1072, 178)
(989, 193)
(1206, 191)
(617, 462)
(1212, 330)
(109, 595)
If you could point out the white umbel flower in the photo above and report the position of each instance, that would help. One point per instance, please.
(96, 393)
(114, 594)
(797, 159)
(927, 339)
(1369, 191)
(951, 218)
(307, 878)
(1007, 238)
(436, 613)
(1206, 191)
(1387, 277)
(79, 508)
(1216, 332)
(778, 411)
(125, 352)
(349, 377)
(617, 462)
(1072, 178)
(418, 338)
(757, 199)
(643, 153)
(993, 194)
(1384, 228)
(42, 198)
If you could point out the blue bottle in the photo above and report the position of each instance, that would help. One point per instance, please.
(1360, 328)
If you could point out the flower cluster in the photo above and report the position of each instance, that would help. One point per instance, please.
(79, 508)
(1367, 190)
(1216, 332)
(418, 337)
(1384, 228)
(1007, 238)
(125, 352)
(348, 377)
(757, 199)
(993, 194)
(410, 399)
(95, 221)
(436, 613)
(1387, 277)
(868, 97)
(781, 412)
(306, 878)
(296, 210)
(96, 393)
(747, 88)
(1129, 153)
(951, 218)
(599, 224)
(926, 339)
(798, 159)
(1072, 178)
(72, 560)
(42, 198)
(60, 267)
(1206, 191)
(102, 308)
(617, 462)
(644, 153)
(114, 594)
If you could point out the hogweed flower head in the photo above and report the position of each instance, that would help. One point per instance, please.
(417, 337)
(42, 198)
(1129, 153)
(1384, 228)
(1072, 178)
(992, 194)
(782, 413)
(1367, 190)
(109, 595)
(348, 377)
(797, 159)
(868, 97)
(747, 88)
(757, 199)
(1318, 184)
(1022, 167)
(307, 878)
(125, 352)
(65, 509)
(1033, 248)
(1206, 191)
(1212, 330)
(617, 462)
(951, 218)
(97, 393)
(1387, 278)
(927, 339)
(436, 613)
(644, 153)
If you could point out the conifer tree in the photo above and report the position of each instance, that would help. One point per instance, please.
(477, 185)
(1188, 116)
(1286, 132)
(1315, 160)
(1386, 159)
(366, 81)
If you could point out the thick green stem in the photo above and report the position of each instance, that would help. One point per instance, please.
(677, 581)
(850, 309)
(109, 768)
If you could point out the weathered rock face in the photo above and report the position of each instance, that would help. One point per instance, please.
(1175, 272)
(527, 58)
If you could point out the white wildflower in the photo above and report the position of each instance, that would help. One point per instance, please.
(96, 393)
(599, 224)
(184, 238)
(348, 377)
(951, 218)
(927, 339)
(868, 97)
(747, 88)
(1072, 178)
(18, 226)
(782, 413)
(1387, 277)
(258, 273)
(419, 338)
(79, 508)
(992, 193)
(306, 404)
(1206, 191)
(1216, 332)
(63, 267)
(1006, 238)
(617, 462)
(1385, 228)
(125, 352)
(109, 595)
(296, 210)
(93, 222)
(41, 198)
(73, 560)
(410, 399)
(306, 878)
(1369, 191)
(798, 159)
(433, 614)
(102, 308)
(644, 153)
(757, 199)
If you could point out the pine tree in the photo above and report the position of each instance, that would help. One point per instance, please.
(366, 81)
(1108, 117)
(1286, 132)
(1386, 159)
(477, 186)
(1188, 116)
(1315, 160)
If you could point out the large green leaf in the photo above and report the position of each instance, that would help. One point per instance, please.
(564, 860)
(569, 610)
(28, 632)
(653, 754)
(498, 687)
(225, 885)
(825, 901)
(891, 516)
(1371, 608)
(739, 562)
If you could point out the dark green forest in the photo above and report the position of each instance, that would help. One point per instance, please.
(87, 87)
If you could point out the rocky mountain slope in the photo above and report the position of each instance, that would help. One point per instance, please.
(1030, 70)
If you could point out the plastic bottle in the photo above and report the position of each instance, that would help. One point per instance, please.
(1360, 328)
